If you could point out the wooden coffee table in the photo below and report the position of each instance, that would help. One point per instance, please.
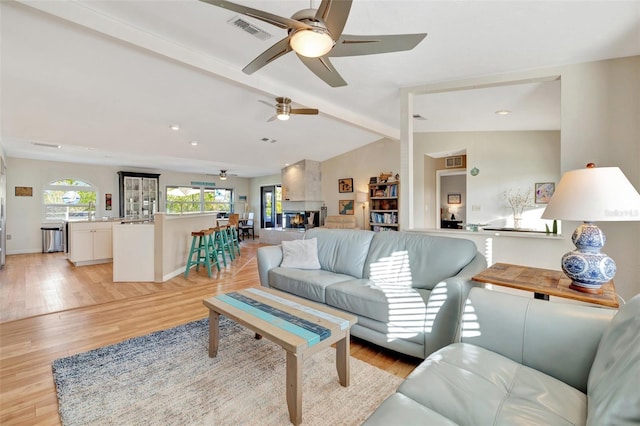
(299, 326)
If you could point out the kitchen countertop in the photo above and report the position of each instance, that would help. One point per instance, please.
(111, 219)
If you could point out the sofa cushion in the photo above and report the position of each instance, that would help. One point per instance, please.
(301, 254)
(415, 259)
(401, 410)
(307, 283)
(613, 386)
(343, 221)
(343, 251)
(389, 304)
(473, 386)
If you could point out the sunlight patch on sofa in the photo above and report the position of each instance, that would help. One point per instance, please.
(436, 300)
(407, 312)
(470, 325)
(394, 269)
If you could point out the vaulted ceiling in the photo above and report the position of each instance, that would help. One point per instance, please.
(105, 80)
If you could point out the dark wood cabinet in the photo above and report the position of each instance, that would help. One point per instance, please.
(450, 224)
(138, 194)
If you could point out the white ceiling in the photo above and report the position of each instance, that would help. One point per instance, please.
(106, 79)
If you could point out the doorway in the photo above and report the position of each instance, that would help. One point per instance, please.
(271, 206)
(451, 198)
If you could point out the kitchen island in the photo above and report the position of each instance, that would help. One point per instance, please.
(141, 250)
(133, 252)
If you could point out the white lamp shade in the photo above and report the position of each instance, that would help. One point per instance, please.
(361, 197)
(598, 194)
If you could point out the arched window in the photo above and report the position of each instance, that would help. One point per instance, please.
(68, 199)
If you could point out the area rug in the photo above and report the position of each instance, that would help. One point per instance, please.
(167, 378)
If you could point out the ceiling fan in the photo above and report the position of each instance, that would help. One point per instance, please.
(316, 35)
(223, 174)
(284, 110)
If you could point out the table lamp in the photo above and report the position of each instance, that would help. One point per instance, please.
(593, 194)
(361, 197)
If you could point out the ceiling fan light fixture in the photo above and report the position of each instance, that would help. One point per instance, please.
(311, 43)
(283, 110)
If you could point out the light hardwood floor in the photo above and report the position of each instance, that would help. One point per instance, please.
(51, 309)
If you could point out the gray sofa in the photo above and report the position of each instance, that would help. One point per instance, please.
(407, 289)
(527, 361)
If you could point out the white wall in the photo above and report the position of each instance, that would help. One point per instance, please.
(359, 164)
(599, 123)
(506, 160)
(25, 214)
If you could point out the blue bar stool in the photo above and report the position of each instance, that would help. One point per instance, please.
(221, 243)
(232, 233)
(199, 248)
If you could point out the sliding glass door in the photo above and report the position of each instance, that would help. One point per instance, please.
(271, 202)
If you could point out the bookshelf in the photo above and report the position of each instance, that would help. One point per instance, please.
(383, 206)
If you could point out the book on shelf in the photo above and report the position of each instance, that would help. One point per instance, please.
(384, 217)
(390, 190)
(381, 228)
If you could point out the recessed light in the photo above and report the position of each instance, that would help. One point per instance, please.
(175, 127)
(194, 143)
(503, 112)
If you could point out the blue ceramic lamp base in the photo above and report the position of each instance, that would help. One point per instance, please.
(587, 267)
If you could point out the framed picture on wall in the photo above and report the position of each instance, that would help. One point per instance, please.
(345, 185)
(24, 191)
(454, 198)
(345, 206)
(544, 191)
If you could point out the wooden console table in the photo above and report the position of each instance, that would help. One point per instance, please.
(544, 283)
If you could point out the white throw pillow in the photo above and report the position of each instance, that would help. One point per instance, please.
(300, 254)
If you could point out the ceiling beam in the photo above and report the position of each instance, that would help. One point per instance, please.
(82, 14)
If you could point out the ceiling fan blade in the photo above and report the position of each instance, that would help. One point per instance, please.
(334, 13)
(271, 54)
(266, 103)
(269, 18)
(272, 118)
(311, 111)
(324, 69)
(350, 45)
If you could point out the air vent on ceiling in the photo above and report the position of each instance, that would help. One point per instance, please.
(248, 27)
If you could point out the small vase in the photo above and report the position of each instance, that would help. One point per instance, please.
(517, 222)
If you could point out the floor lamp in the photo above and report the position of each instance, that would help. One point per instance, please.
(361, 197)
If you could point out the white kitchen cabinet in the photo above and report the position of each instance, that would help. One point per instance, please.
(90, 242)
(138, 195)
